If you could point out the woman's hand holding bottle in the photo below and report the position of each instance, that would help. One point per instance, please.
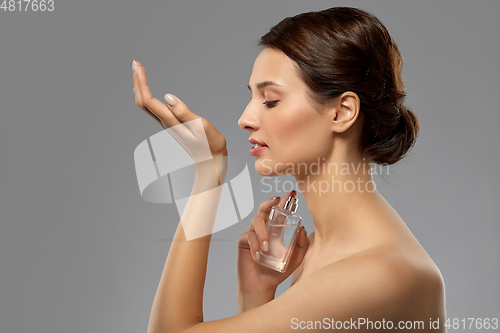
(256, 283)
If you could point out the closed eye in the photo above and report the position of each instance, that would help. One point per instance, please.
(270, 104)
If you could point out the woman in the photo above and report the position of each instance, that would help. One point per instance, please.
(327, 100)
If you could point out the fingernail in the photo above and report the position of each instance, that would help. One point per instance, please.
(133, 65)
(293, 193)
(171, 99)
(274, 198)
(265, 245)
(257, 256)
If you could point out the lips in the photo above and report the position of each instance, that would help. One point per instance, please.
(254, 142)
(257, 148)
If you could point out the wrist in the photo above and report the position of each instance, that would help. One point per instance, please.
(213, 169)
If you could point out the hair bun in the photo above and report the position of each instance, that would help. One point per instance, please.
(399, 142)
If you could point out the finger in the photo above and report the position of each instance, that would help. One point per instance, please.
(155, 117)
(179, 109)
(139, 103)
(299, 250)
(148, 103)
(134, 66)
(141, 80)
(292, 193)
(302, 240)
(254, 245)
(265, 207)
(138, 97)
(259, 227)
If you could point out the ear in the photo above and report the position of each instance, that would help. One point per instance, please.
(345, 111)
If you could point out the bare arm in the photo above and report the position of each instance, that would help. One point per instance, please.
(178, 302)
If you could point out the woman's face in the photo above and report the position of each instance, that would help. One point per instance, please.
(281, 116)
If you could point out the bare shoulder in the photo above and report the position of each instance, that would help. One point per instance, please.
(383, 276)
(389, 276)
(380, 283)
(394, 271)
(407, 271)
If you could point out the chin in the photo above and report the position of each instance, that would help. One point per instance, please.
(269, 168)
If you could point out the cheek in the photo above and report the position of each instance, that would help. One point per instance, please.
(292, 122)
(298, 137)
(302, 129)
(317, 148)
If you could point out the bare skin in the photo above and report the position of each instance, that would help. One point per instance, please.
(355, 228)
(361, 261)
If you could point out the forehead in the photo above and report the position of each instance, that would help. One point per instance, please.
(274, 65)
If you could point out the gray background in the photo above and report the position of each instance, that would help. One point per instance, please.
(81, 251)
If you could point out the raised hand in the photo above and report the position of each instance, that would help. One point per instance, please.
(195, 134)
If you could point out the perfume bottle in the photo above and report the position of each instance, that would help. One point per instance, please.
(282, 227)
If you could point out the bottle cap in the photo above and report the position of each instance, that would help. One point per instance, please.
(292, 204)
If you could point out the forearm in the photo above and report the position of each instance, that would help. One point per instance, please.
(178, 302)
(248, 301)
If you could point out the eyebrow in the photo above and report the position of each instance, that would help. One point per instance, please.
(264, 84)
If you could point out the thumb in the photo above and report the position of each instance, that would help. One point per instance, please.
(179, 109)
(299, 250)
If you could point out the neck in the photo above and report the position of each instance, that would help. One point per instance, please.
(340, 194)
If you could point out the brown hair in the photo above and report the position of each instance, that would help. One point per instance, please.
(346, 49)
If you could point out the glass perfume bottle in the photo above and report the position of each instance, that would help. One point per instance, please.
(282, 227)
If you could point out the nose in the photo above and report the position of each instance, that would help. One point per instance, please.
(249, 120)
